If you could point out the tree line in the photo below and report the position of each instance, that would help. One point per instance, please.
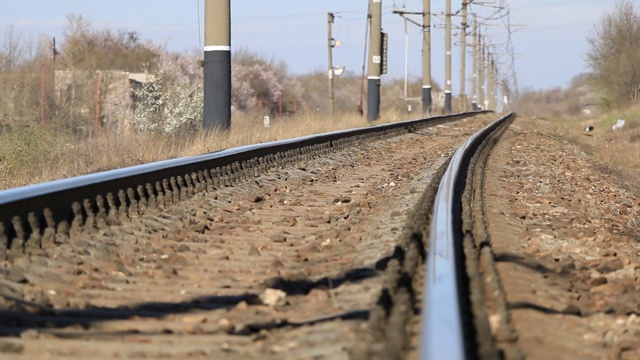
(614, 55)
(613, 63)
(51, 81)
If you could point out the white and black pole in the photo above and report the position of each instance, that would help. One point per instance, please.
(217, 64)
(375, 60)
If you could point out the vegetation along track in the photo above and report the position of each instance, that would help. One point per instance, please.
(309, 247)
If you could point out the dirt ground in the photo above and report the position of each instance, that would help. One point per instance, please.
(566, 239)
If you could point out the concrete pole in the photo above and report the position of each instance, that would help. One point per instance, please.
(481, 73)
(375, 60)
(493, 85)
(506, 94)
(217, 64)
(426, 57)
(496, 85)
(447, 61)
(406, 57)
(487, 82)
(330, 18)
(463, 57)
(474, 86)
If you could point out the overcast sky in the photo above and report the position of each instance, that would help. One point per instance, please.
(551, 48)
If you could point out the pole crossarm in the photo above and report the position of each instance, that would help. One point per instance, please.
(403, 12)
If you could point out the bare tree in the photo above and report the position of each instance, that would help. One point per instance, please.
(13, 50)
(87, 48)
(19, 88)
(614, 55)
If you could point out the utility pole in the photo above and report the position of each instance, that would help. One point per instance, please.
(217, 64)
(463, 57)
(426, 52)
(406, 56)
(493, 86)
(511, 51)
(330, 18)
(481, 73)
(375, 60)
(506, 95)
(447, 61)
(426, 57)
(474, 85)
(487, 69)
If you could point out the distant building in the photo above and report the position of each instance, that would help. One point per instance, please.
(77, 92)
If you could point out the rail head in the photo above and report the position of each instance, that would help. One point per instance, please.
(443, 333)
(32, 191)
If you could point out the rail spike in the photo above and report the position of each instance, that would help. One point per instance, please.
(142, 204)
(17, 243)
(184, 188)
(113, 211)
(160, 201)
(49, 235)
(151, 203)
(102, 220)
(76, 224)
(176, 189)
(133, 210)
(90, 222)
(4, 243)
(123, 210)
(34, 244)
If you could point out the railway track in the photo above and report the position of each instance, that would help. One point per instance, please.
(533, 253)
(299, 248)
(456, 318)
(320, 247)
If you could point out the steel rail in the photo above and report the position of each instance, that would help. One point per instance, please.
(443, 327)
(21, 209)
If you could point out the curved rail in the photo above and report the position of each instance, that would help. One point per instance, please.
(30, 214)
(443, 331)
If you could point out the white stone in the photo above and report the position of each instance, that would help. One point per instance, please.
(272, 296)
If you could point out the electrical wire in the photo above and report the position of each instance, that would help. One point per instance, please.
(364, 62)
(199, 26)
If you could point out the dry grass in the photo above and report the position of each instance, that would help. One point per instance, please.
(32, 154)
(617, 150)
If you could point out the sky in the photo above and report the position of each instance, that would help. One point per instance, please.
(550, 37)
